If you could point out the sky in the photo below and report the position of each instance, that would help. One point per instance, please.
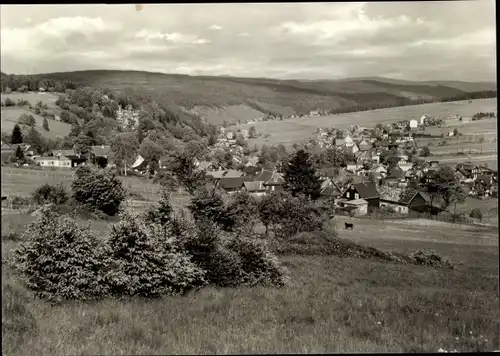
(435, 40)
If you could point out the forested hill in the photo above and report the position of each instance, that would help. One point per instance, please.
(232, 99)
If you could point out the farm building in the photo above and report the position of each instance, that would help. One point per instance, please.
(60, 161)
(366, 191)
(423, 119)
(233, 184)
(348, 141)
(356, 207)
(413, 124)
(208, 166)
(99, 155)
(76, 158)
(364, 145)
(255, 188)
(394, 198)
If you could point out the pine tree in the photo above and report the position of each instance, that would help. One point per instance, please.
(17, 136)
(45, 124)
(300, 176)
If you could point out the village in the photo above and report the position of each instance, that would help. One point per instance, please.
(365, 183)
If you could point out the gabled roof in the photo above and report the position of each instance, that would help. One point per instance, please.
(356, 202)
(254, 186)
(394, 195)
(101, 150)
(264, 176)
(232, 173)
(251, 170)
(67, 153)
(233, 182)
(366, 190)
(331, 190)
(138, 162)
(483, 177)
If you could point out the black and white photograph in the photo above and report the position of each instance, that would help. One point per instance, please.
(249, 178)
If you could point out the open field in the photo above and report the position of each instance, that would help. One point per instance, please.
(300, 130)
(11, 115)
(22, 182)
(332, 304)
(32, 97)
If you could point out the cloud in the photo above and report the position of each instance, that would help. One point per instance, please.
(411, 40)
(215, 27)
(175, 37)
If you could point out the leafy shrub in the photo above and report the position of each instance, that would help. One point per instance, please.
(61, 260)
(231, 260)
(476, 214)
(50, 194)
(430, 258)
(147, 263)
(161, 213)
(9, 102)
(98, 189)
(18, 202)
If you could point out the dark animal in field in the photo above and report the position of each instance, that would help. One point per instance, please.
(349, 226)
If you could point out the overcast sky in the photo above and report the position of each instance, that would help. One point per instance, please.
(413, 40)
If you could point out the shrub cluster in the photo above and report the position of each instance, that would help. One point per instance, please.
(50, 194)
(98, 189)
(142, 257)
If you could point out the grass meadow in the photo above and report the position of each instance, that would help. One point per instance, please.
(332, 304)
(289, 131)
(10, 116)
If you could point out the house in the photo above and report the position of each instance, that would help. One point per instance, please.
(99, 155)
(140, 164)
(423, 119)
(363, 156)
(405, 166)
(272, 180)
(230, 173)
(356, 207)
(340, 142)
(349, 142)
(255, 188)
(354, 148)
(364, 145)
(395, 176)
(251, 170)
(394, 198)
(9, 149)
(229, 135)
(60, 161)
(331, 191)
(413, 124)
(366, 191)
(77, 159)
(451, 133)
(483, 181)
(233, 184)
(208, 166)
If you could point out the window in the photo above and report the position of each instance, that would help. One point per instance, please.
(356, 196)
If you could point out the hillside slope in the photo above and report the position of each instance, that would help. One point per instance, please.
(221, 98)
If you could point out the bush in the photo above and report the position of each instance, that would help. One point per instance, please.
(50, 194)
(147, 263)
(9, 102)
(230, 260)
(61, 260)
(98, 189)
(476, 214)
(430, 258)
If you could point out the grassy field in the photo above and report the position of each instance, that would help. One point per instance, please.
(333, 304)
(22, 182)
(48, 99)
(300, 130)
(11, 115)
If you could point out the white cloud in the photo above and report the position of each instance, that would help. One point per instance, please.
(175, 37)
(31, 39)
(215, 27)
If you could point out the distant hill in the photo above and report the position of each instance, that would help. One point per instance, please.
(223, 98)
